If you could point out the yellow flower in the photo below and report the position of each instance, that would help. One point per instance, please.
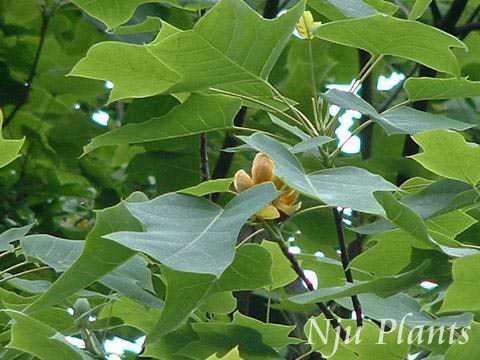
(263, 171)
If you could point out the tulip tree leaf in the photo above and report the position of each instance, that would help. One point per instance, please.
(340, 9)
(46, 344)
(402, 120)
(220, 338)
(251, 269)
(198, 114)
(382, 286)
(465, 289)
(282, 272)
(227, 46)
(192, 234)
(419, 9)
(386, 35)
(9, 149)
(232, 355)
(274, 335)
(185, 293)
(346, 187)
(447, 154)
(116, 12)
(13, 234)
(409, 221)
(209, 187)
(131, 278)
(426, 88)
(99, 257)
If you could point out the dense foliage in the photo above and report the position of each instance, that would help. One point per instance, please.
(224, 179)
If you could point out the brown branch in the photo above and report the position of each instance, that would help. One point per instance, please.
(203, 148)
(463, 31)
(357, 307)
(33, 70)
(301, 274)
(436, 14)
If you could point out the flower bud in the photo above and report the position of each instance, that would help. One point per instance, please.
(262, 169)
(242, 181)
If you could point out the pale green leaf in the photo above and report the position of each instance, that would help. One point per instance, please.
(346, 187)
(9, 149)
(46, 343)
(340, 9)
(402, 120)
(192, 234)
(185, 293)
(419, 9)
(221, 50)
(99, 257)
(282, 272)
(198, 114)
(13, 234)
(209, 187)
(465, 348)
(385, 35)
(220, 338)
(440, 89)
(311, 144)
(274, 335)
(116, 12)
(150, 24)
(465, 289)
(232, 355)
(447, 154)
(251, 269)
(132, 278)
(382, 286)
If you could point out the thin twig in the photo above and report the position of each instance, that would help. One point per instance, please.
(33, 70)
(398, 89)
(278, 237)
(22, 273)
(346, 263)
(436, 14)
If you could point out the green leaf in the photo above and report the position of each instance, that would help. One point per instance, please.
(398, 305)
(185, 293)
(465, 350)
(47, 344)
(11, 235)
(402, 120)
(209, 187)
(440, 89)
(282, 272)
(198, 114)
(393, 247)
(409, 221)
(251, 269)
(116, 12)
(9, 149)
(192, 234)
(274, 335)
(132, 314)
(346, 187)
(382, 286)
(419, 9)
(447, 154)
(465, 289)
(340, 9)
(221, 51)
(131, 278)
(220, 338)
(311, 144)
(150, 24)
(385, 35)
(99, 257)
(232, 355)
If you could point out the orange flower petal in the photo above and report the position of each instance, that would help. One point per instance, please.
(242, 181)
(262, 169)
